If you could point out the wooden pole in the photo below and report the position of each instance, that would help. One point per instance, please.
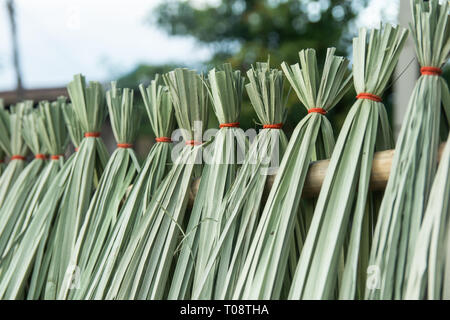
(381, 168)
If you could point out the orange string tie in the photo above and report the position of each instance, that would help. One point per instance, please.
(56, 156)
(369, 96)
(92, 134)
(318, 110)
(124, 145)
(431, 71)
(273, 126)
(163, 139)
(229, 125)
(17, 157)
(40, 156)
(193, 143)
(76, 149)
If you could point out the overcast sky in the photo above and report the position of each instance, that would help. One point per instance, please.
(103, 39)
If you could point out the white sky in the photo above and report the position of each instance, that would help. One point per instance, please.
(103, 39)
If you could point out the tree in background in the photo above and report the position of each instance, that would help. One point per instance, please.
(245, 31)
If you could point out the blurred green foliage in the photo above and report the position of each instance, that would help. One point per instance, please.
(244, 31)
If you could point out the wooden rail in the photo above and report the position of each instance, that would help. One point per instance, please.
(381, 168)
(10, 97)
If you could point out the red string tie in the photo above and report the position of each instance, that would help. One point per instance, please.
(193, 143)
(229, 125)
(163, 139)
(431, 71)
(318, 110)
(92, 134)
(17, 157)
(124, 145)
(273, 126)
(76, 149)
(40, 156)
(369, 96)
(56, 156)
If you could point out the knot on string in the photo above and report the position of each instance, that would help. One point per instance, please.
(163, 139)
(56, 156)
(193, 143)
(40, 156)
(317, 110)
(124, 145)
(17, 157)
(273, 126)
(92, 134)
(431, 71)
(369, 96)
(229, 125)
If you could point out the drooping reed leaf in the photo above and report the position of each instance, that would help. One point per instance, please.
(415, 159)
(3, 116)
(343, 207)
(429, 273)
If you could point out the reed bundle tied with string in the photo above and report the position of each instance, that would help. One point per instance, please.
(264, 268)
(329, 266)
(69, 195)
(118, 175)
(11, 213)
(142, 271)
(13, 144)
(225, 88)
(160, 112)
(240, 209)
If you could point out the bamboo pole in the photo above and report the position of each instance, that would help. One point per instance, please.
(381, 168)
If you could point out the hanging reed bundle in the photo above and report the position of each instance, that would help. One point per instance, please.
(56, 138)
(265, 264)
(429, 276)
(88, 106)
(13, 144)
(222, 155)
(415, 158)
(2, 161)
(68, 199)
(143, 268)
(11, 216)
(343, 208)
(160, 112)
(53, 135)
(26, 261)
(117, 177)
(240, 210)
